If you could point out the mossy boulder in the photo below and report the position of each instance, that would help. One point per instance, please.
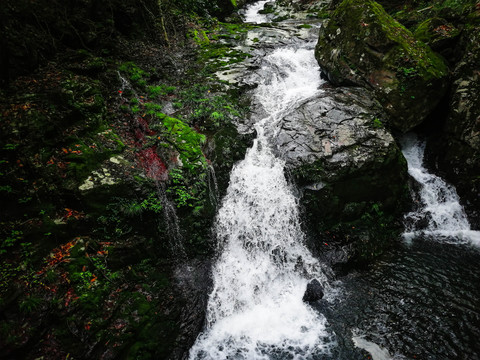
(439, 34)
(361, 44)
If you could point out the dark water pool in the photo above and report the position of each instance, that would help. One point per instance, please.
(421, 301)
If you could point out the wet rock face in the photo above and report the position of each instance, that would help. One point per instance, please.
(339, 151)
(459, 148)
(341, 127)
(361, 44)
(193, 284)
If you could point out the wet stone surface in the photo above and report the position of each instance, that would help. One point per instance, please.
(341, 127)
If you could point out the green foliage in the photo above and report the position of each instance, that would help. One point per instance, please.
(29, 304)
(205, 8)
(200, 37)
(409, 72)
(209, 112)
(10, 241)
(182, 194)
(111, 224)
(160, 90)
(6, 188)
(10, 146)
(134, 73)
(377, 123)
(152, 203)
(152, 108)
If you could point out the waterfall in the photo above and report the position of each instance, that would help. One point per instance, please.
(252, 15)
(439, 213)
(255, 310)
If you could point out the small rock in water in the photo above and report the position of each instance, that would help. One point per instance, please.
(314, 291)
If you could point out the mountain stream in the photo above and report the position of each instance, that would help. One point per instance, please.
(421, 300)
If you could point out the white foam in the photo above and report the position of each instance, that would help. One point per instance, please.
(256, 308)
(440, 203)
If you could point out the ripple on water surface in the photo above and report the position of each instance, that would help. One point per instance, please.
(421, 301)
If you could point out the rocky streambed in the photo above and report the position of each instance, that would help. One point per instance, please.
(114, 168)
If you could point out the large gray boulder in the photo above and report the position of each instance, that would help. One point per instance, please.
(361, 44)
(341, 155)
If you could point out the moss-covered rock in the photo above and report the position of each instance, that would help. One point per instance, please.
(361, 44)
(440, 35)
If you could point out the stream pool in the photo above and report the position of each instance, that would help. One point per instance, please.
(420, 301)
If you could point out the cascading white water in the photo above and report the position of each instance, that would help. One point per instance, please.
(252, 14)
(255, 310)
(440, 209)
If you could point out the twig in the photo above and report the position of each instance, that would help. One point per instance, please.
(427, 8)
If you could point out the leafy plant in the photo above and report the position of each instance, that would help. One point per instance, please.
(6, 188)
(152, 203)
(160, 90)
(408, 72)
(377, 123)
(10, 241)
(182, 195)
(10, 146)
(135, 74)
(29, 304)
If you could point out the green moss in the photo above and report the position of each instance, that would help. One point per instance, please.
(200, 37)
(160, 90)
(85, 154)
(304, 26)
(435, 29)
(405, 47)
(310, 173)
(135, 74)
(188, 142)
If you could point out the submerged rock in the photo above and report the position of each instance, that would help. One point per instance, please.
(361, 44)
(314, 291)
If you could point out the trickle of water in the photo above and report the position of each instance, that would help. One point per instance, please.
(156, 170)
(213, 192)
(255, 310)
(175, 237)
(439, 213)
